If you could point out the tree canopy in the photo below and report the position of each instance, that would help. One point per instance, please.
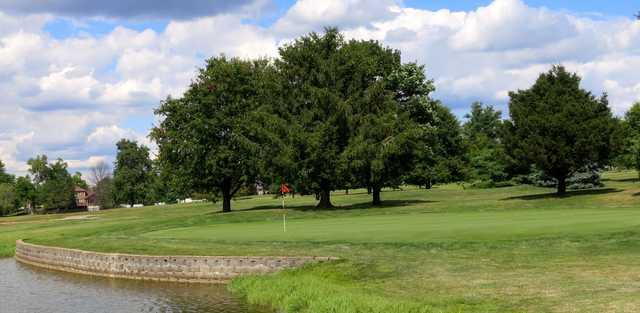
(560, 127)
(221, 134)
(54, 185)
(5, 178)
(26, 194)
(132, 173)
(482, 131)
(346, 99)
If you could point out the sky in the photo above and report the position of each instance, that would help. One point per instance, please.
(76, 76)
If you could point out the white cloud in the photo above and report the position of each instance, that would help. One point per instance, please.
(220, 34)
(87, 163)
(483, 54)
(31, 23)
(311, 15)
(510, 24)
(108, 135)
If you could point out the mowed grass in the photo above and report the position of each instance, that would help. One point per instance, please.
(417, 228)
(449, 249)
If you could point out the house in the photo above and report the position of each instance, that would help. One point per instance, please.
(85, 199)
(81, 197)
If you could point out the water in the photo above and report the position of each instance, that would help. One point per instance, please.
(26, 289)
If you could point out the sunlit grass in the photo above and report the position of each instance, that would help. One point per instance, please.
(449, 249)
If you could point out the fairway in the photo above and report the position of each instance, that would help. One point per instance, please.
(423, 227)
(449, 249)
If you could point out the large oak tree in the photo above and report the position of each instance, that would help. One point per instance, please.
(221, 134)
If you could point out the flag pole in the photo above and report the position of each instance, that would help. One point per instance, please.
(283, 191)
(284, 215)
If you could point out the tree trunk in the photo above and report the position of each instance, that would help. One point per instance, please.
(226, 196)
(376, 195)
(368, 190)
(562, 185)
(226, 203)
(325, 200)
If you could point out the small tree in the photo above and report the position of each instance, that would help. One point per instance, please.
(99, 172)
(132, 174)
(100, 178)
(26, 195)
(78, 181)
(104, 193)
(486, 152)
(7, 199)
(54, 185)
(449, 149)
(560, 127)
(5, 178)
(630, 154)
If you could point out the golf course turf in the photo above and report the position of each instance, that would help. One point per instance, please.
(448, 249)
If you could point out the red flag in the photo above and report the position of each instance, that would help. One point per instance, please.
(284, 188)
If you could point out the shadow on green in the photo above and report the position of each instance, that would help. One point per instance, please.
(568, 194)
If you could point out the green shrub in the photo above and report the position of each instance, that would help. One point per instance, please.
(588, 178)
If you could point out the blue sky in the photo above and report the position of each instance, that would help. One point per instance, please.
(65, 27)
(622, 8)
(77, 76)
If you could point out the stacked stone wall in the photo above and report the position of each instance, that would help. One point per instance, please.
(160, 268)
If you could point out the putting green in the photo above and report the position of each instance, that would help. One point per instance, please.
(418, 227)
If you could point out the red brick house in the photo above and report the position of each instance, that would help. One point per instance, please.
(84, 198)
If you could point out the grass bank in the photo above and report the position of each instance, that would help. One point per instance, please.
(516, 249)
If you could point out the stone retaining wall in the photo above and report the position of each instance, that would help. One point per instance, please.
(160, 268)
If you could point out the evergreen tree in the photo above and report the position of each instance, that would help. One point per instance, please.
(560, 127)
(317, 81)
(382, 148)
(351, 128)
(482, 131)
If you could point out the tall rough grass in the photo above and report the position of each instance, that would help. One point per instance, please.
(6, 250)
(298, 292)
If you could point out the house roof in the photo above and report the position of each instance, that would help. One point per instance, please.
(80, 189)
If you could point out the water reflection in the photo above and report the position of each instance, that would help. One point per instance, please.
(26, 289)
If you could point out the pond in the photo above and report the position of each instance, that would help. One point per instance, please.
(25, 288)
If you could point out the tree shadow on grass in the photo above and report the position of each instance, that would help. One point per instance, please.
(569, 194)
(355, 206)
(622, 180)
